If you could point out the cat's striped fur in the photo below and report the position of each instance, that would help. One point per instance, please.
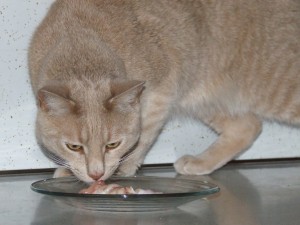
(112, 73)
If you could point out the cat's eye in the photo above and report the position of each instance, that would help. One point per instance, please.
(112, 145)
(75, 148)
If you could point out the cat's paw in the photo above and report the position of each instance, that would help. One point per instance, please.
(62, 172)
(127, 170)
(190, 165)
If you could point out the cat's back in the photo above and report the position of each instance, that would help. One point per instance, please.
(199, 35)
(128, 27)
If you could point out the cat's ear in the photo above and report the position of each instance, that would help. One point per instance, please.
(54, 103)
(126, 93)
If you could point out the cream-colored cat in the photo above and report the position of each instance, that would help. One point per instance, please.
(108, 75)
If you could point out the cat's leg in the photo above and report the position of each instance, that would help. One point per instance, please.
(155, 115)
(236, 135)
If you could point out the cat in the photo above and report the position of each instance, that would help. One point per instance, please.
(108, 75)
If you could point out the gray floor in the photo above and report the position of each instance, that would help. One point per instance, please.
(255, 194)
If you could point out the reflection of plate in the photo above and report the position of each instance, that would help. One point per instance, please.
(175, 191)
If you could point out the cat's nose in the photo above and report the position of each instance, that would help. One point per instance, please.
(96, 175)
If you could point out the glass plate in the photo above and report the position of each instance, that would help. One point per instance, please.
(175, 192)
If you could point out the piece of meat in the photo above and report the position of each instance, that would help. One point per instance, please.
(99, 187)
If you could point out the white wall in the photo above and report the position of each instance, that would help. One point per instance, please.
(18, 149)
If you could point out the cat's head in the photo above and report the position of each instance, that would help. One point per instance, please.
(89, 127)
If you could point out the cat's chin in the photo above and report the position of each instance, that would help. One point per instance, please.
(77, 174)
(85, 179)
(62, 172)
(88, 179)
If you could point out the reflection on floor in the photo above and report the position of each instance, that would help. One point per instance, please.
(251, 194)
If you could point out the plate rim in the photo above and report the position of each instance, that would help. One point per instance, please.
(213, 188)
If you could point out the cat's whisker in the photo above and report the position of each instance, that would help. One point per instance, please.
(127, 157)
(113, 168)
(77, 180)
(55, 158)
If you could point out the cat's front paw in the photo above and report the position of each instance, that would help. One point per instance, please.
(190, 165)
(127, 170)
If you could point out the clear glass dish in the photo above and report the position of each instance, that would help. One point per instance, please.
(175, 192)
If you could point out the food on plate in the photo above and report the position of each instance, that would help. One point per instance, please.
(99, 187)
